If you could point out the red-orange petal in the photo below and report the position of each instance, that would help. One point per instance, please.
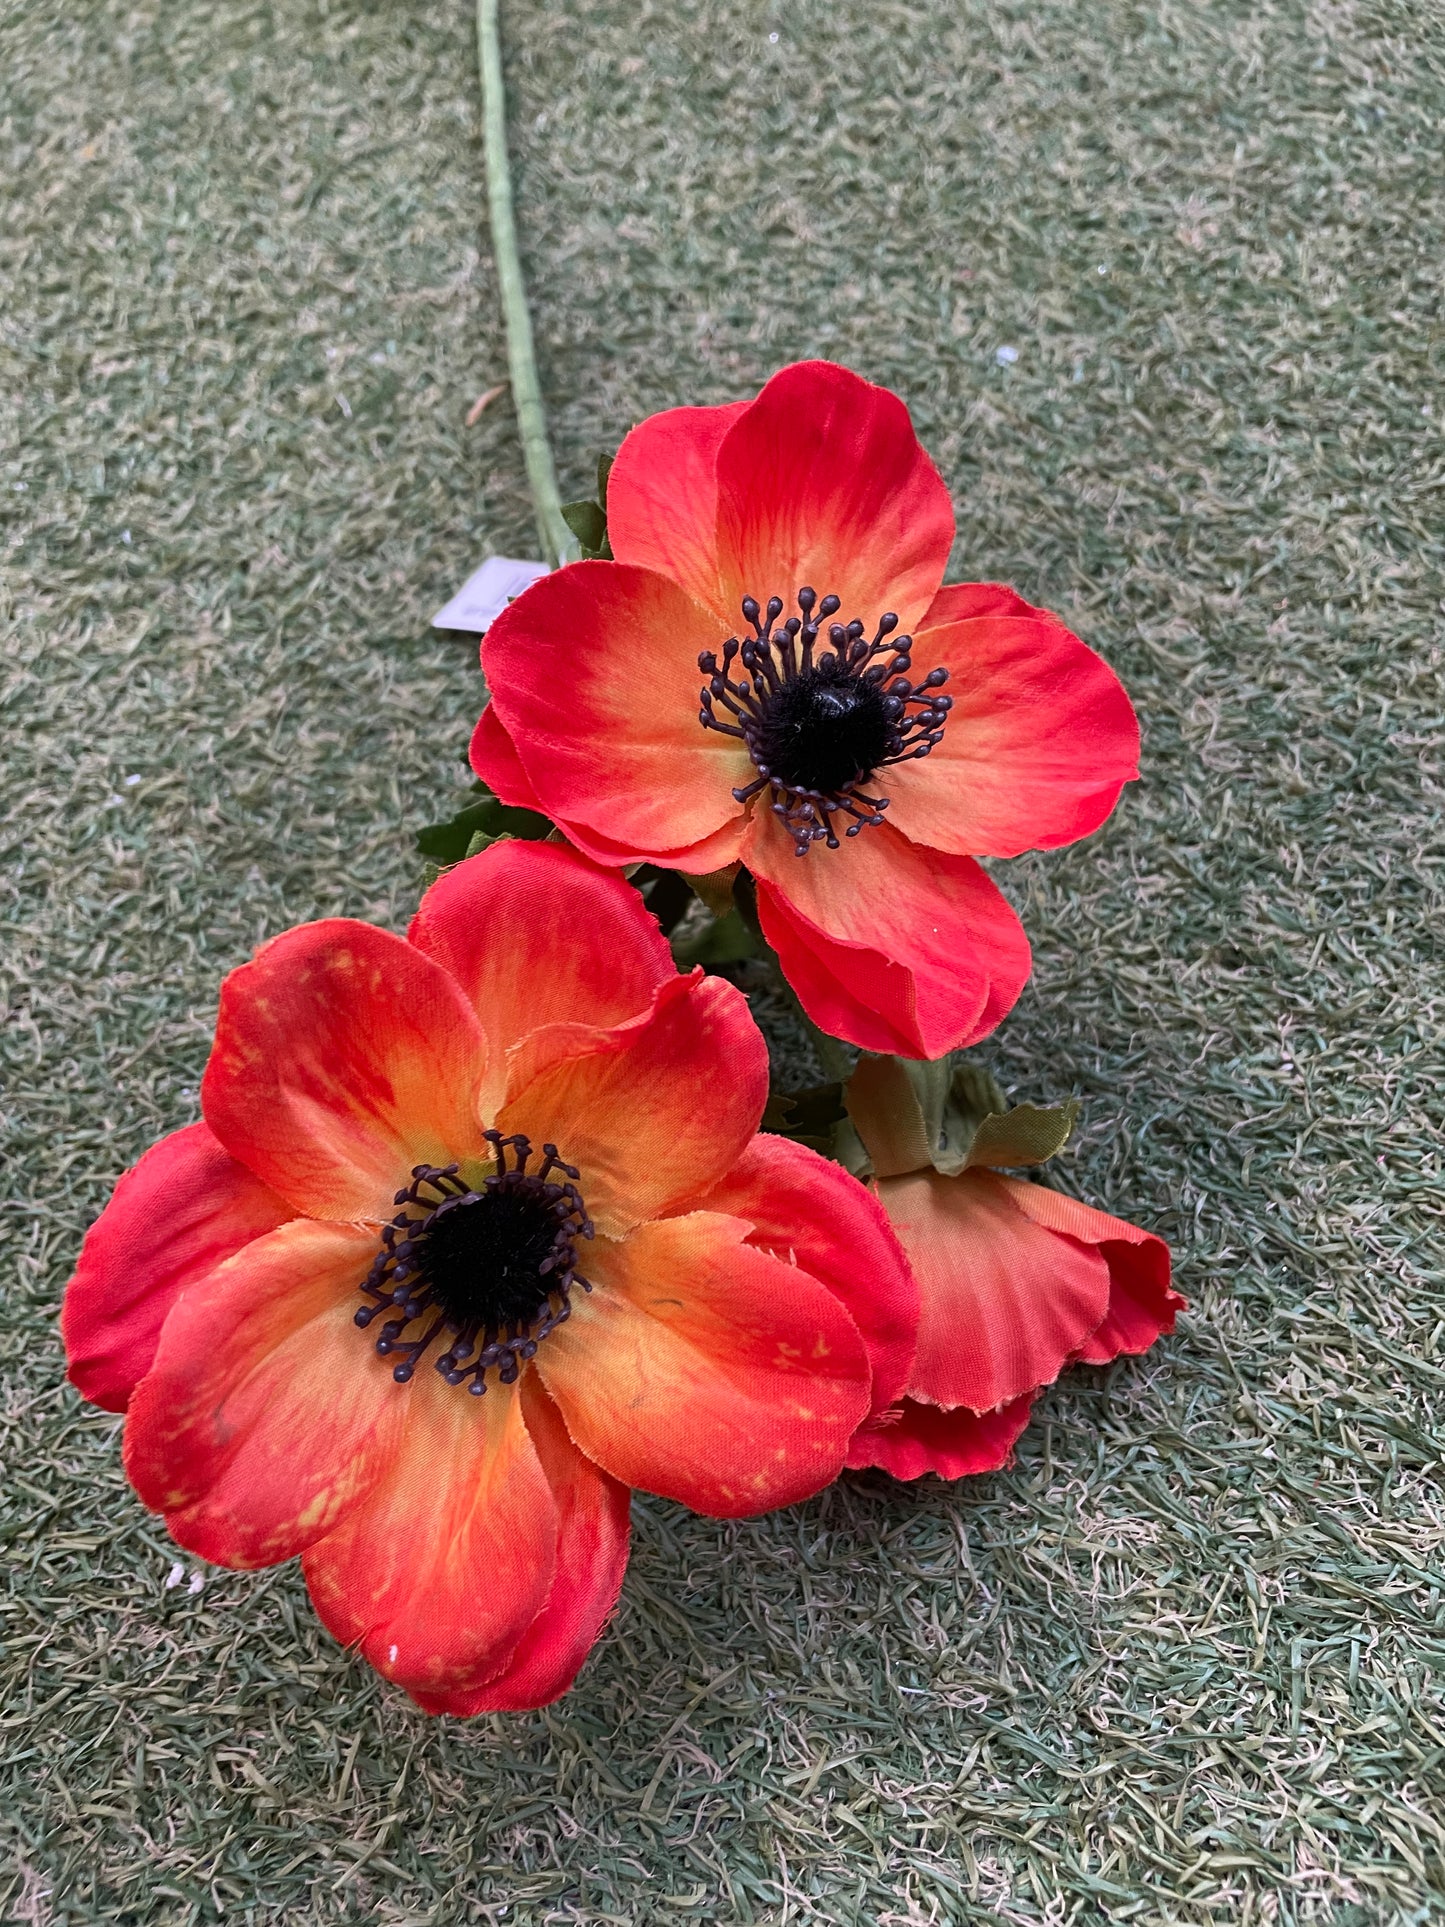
(917, 1438)
(1005, 1302)
(1040, 739)
(493, 757)
(662, 501)
(342, 1058)
(266, 1412)
(535, 934)
(594, 677)
(172, 1219)
(593, 1527)
(809, 1211)
(707, 1371)
(654, 1112)
(891, 946)
(822, 481)
(438, 1574)
(1142, 1303)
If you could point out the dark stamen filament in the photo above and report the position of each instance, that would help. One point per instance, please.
(819, 723)
(493, 1266)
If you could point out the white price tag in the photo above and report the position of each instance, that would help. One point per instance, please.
(485, 594)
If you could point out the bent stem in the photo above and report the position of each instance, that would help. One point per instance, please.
(552, 531)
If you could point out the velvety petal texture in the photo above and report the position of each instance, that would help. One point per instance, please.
(181, 1211)
(895, 947)
(662, 500)
(822, 481)
(593, 1526)
(1005, 1302)
(594, 676)
(1040, 740)
(494, 759)
(343, 1057)
(916, 1438)
(265, 1415)
(507, 930)
(573, 1085)
(1142, 1303)
(706, 1370)
(809, 1211)
(438, 1575)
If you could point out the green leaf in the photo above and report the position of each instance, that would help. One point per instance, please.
(486, 816)
(812, 1116)
(588, 523)
(724, 940)
(604, 470)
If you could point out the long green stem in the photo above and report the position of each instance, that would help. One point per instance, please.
(553, 533)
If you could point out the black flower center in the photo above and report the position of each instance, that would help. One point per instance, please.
(819, 723)
(493, 1266)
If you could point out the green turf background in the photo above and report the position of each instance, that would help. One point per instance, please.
(1183, 1662)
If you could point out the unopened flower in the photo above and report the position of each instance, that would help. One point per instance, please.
(771, 673)
(476, 1235)
(1016, 1280)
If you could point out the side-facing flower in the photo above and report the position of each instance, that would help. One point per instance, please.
(476, 1235)
(1016, 1281)
(771, 673)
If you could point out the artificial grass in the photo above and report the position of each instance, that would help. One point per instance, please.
(1182, 1662)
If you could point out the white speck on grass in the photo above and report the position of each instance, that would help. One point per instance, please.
(131, 781)
(174, 1577)
(773, 39)
(198, 1580)
(1006, 356)
(344, 405)
(125, 537)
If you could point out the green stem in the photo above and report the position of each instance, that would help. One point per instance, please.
(552, 531)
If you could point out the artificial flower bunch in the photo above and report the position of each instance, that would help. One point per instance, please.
(486, 1226)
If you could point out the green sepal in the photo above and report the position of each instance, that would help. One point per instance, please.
(724, 940)
(486, 817)
(1026, 1135)
(951, 1114)
(716, 889)
(482, 841)
(812, 1116)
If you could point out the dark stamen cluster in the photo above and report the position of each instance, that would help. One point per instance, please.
(493, 1266)
(818, 723)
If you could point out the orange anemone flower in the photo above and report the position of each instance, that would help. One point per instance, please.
(477, 1234)
(1016, 1281)
(772, 672)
